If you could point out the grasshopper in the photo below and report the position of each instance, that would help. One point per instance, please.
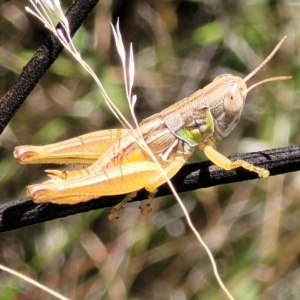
(118, 163)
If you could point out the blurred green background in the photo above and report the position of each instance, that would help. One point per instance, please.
(253, 227)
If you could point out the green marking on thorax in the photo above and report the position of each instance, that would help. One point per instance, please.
(194, 136)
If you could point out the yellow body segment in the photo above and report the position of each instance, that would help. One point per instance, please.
(123, 167)
(85, 149)
(114, 181)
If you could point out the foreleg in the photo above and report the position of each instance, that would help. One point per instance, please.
(225, 163)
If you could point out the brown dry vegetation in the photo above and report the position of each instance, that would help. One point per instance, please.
(252, 227)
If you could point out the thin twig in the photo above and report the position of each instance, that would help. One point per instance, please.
(19, 213)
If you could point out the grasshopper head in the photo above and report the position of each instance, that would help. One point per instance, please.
(228, 108)
(235, 94)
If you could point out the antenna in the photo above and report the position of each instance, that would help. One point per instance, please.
(266, 60)
(267, 80)
(262, 65)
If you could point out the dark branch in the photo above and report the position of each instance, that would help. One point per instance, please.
(40, 62)
(24, 212)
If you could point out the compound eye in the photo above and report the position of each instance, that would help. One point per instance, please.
(233, 101)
